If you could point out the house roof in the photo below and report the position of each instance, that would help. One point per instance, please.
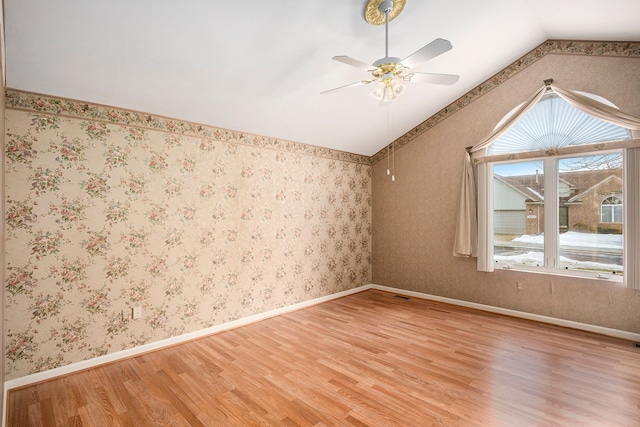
(579, 183)
(580, 196)
(259, 67)
(530, 186)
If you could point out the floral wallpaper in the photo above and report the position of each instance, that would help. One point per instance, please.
(108, 209)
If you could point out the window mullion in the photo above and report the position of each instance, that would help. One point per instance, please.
(551, 213)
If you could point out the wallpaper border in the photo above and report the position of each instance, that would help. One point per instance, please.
(565, 47)
(47, 104)
(70, 108)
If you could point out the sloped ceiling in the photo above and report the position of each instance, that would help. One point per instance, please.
(259, 66)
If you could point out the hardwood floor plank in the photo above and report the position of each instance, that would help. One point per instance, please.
(35, 417)
(369, 359)
(75, 421)
(157, 409)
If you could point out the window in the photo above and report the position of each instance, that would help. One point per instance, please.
(588, 245)
(611, 209)
(571, 229)
(518, 213)
(559, 207)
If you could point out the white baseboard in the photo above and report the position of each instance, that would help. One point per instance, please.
(112, 357)
(78, 366)
(86, 364)
(626, 335)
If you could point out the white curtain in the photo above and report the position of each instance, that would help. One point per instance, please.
(632, 210)
(598, 109)
(466, 241)
(485, 227)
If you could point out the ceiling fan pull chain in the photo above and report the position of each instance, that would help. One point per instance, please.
(393, 164)
(393, 160)
(388, 159)
(391, 148)
(388, 138)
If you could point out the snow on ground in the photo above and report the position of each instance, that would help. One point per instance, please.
(575, 238)
(528, 258)
(570, 239)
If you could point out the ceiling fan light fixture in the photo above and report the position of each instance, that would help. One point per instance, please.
(398, 88)
(378, 92)
(387, 90)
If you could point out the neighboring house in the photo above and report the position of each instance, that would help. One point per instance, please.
(590, 201)
(517, 204)
(598, 208)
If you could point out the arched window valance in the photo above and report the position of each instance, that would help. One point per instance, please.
(553, 123)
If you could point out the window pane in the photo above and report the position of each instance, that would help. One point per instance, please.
(617, 213)
(518, 220)
(590, 188)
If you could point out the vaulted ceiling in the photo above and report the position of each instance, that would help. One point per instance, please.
(259, 66)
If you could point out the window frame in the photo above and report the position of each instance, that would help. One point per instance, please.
(551, 215)
(481, 243)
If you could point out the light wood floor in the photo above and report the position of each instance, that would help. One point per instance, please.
(369, 359)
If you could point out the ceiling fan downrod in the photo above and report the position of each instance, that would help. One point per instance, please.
(386, 7)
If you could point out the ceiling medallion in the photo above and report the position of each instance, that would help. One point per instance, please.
(374, 16)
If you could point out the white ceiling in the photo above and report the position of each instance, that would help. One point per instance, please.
(259, 66)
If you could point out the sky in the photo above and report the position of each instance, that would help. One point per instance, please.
(515, 169)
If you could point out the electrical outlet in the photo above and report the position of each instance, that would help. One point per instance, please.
(519, 286)
(136, 312)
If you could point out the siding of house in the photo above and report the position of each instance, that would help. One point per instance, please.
(509, 209)
(535, 218)
(412, 249)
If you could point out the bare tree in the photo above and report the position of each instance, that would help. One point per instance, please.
(608, 161)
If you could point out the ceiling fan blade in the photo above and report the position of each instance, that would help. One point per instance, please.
(430, 51)
(439, 79)
(353, 62)
(362, 82)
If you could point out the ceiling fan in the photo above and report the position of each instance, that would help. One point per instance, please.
(391, 72)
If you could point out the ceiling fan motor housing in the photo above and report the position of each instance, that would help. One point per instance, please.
(386, 60)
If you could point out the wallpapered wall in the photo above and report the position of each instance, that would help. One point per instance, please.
(414, 217)
(109, 209)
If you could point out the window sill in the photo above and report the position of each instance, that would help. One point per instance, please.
(610, 278)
